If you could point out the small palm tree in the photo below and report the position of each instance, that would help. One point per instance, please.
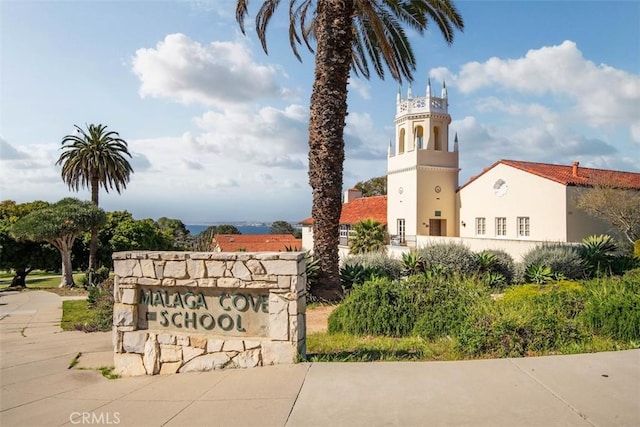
(368, 236)
(95, 158)
(349, 35)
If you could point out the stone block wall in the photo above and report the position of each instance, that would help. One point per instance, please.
(197, 311)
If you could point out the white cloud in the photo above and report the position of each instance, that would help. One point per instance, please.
(481, 145)
(600, 95)
(363, 140)
(184, 70)
(266, 136)
(531, 111)
(361, 87)
(8, 152)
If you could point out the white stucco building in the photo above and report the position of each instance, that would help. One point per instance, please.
(511, 205)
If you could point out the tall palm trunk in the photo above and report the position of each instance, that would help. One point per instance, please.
(93, 243)
(326, 143)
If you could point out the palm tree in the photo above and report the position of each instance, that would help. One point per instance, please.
(348, 34)
(93, 159)
(369, 235)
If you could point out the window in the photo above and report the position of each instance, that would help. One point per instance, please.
(501, 226)
(481, 226)
(523, 226)
(401, 230)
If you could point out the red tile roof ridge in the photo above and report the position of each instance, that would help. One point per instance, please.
(563, 174)
(374, 207)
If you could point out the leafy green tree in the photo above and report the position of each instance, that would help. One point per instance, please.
(122, 232)
(368, 235)
(226, 229)
(175, 231)
(22, 256)
(347, 34)
(59, 224)
(95, 158)
(283, 227)
(204, 240)
(373, 187)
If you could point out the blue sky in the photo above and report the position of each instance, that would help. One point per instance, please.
(217, 129)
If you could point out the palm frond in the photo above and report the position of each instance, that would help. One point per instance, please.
(263, 18)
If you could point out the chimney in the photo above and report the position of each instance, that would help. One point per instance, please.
(350, 195)
(574, 170)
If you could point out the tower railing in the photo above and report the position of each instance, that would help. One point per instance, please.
(423, 104)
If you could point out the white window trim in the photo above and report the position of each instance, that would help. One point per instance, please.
(498, 228)
(478, 222)
(527, 226)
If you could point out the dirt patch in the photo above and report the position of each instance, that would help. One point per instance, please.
(63, 292)
(317, 318)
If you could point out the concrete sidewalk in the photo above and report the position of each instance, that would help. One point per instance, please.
(38, 389)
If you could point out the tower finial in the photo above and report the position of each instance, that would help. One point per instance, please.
(409, 95)
(444, 90)
(455, 143)
(399, 96)
(389, 150)
(428, 87)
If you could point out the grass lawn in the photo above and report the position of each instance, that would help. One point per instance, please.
(76, 312)
(324, 347)
(42, 280)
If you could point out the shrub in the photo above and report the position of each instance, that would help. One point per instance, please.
(444, 304)
(612, 307)
(563, 260)
(385, 265)
(421, 305)
(101, 299)
(503, 264)
(454, 258)
(623, 263)
(528, 320)
(377, 307)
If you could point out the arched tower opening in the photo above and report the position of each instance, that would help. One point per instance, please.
(419, 137)
(437, 140)
(401, 141)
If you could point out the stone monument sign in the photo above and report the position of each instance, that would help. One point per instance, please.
(198, 311)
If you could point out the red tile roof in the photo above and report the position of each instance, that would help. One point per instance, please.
(564, 174)
(365, 207)
(255, 242)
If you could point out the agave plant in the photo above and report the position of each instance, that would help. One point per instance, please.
(598, 252)
(539, 273)
(312, 267)
(494, 280)
(486, 260)
(357, 274)
(412, 263)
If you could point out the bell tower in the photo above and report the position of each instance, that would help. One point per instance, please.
(422, 171)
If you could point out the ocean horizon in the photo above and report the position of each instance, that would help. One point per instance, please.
(196, 229)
